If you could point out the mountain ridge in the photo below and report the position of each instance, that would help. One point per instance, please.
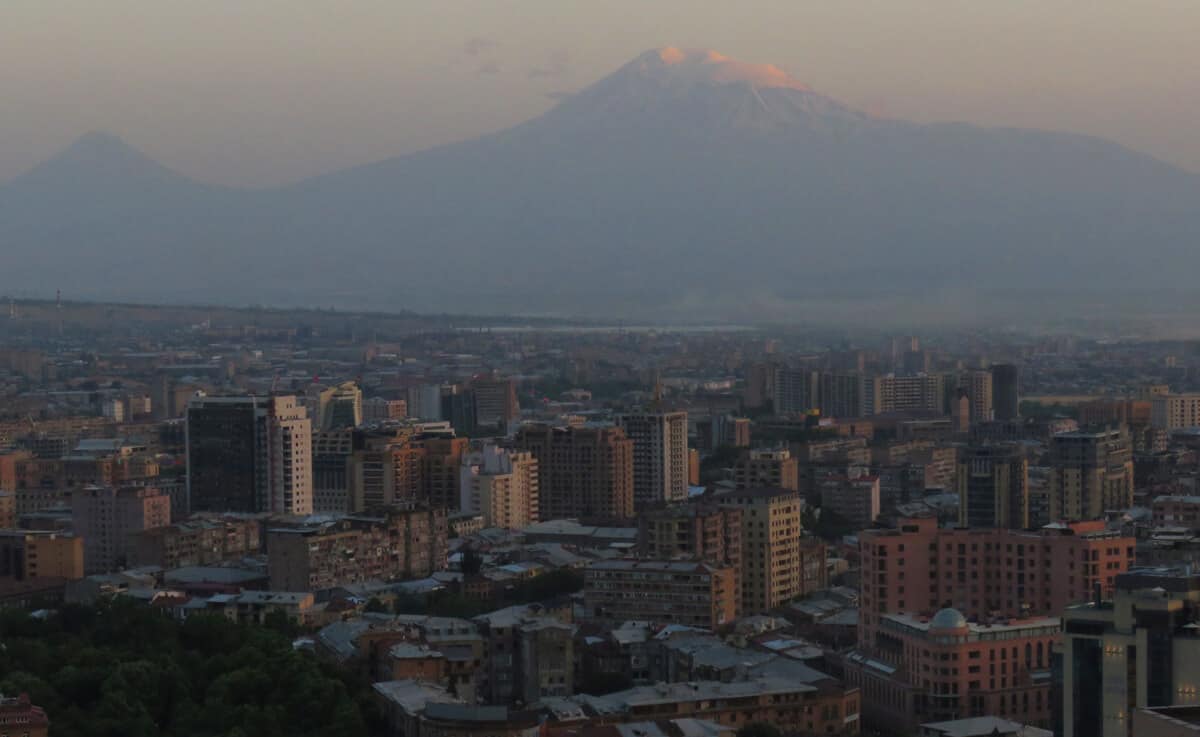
(683, 181)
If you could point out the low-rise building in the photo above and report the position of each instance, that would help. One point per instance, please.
(393, 544)
(791, 706)
(28, 555)
(199, 541)
(926, 669)
(18, 716)
(695, 593)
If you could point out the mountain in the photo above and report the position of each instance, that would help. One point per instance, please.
(684, 185)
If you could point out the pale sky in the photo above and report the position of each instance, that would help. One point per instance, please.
(258, 92)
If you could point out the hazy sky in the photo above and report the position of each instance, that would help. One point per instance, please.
(255, 92)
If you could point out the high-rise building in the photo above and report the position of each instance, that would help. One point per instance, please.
(917, 393)
(425, 401)
(332, 450)
(1091, 472)
(660, 455)
(1174, 411)
(993, 486)
(760, 385)
(107, 519)
(383, 475)
(495, 403)
(249, 454)
(340, 406)
(853, 499)
(1136, 650)
(583, 472)
(697, 531)
(843, 394)
(378, 409)
(500, 485)
(770, 546)
(795, 389)
(759, 468)
(978, 385)
(441, 462)
(1006, 392)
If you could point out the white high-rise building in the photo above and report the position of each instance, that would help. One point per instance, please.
(660, 455)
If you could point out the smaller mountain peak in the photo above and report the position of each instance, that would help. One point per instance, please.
(101, 142)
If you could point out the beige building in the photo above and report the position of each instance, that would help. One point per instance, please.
(28, 555)
(1174, 411)
(501, 485)
(108, 519)
(394, 544)
(978, 385)
(660, 455)
(759, 468)
(921, 392)
(770, 546)
(1138, 650)
(1090, 473)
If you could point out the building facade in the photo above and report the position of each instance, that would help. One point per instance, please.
(501, 485)
(1137, 649)
(693, 593)
(993, 487)
(583, 472)
(109, 518)
(1091, 472)
(660, 455)
(249, 454)
(774, 468)
(770, 546)
(394, 544)
(919, 568)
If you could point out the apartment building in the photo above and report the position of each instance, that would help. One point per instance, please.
(393, 544)
(694, 593)
(770, 545)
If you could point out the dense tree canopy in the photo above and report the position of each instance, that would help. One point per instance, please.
(126, 670)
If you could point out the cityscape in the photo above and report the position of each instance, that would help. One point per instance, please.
(526, 529)
(662, 368)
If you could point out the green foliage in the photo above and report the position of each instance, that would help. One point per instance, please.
(125, 670)
(549, 585)
(1042, 411)
(825, 523)
(559, 582)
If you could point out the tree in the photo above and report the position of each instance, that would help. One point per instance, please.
(375, 606)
